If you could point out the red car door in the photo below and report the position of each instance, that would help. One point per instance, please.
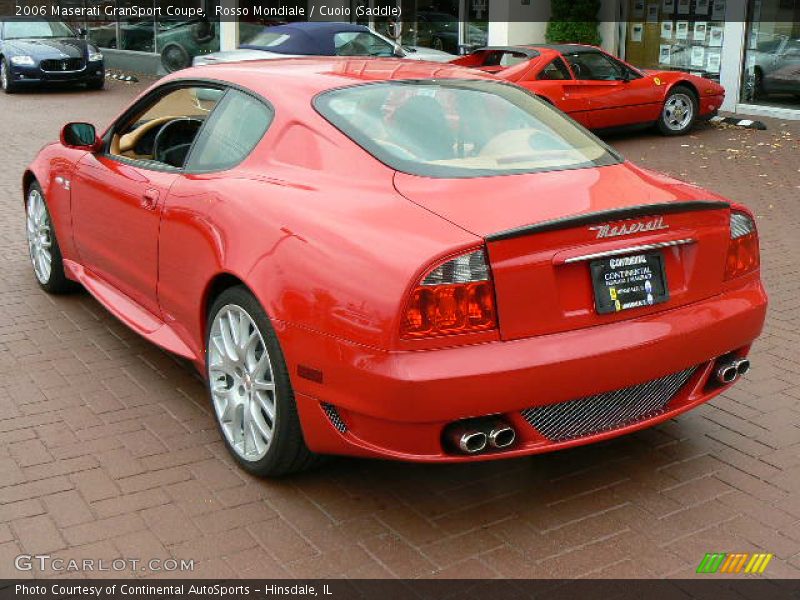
(556, 84)
(615, 94)
(116, 210)
(118, 196)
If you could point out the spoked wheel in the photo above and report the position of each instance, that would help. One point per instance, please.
(5, 78)
(679, 112)
(43, 246)
(250, 390)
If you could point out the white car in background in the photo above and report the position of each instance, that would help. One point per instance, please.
(319, 39)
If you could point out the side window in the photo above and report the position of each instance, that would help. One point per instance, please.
(555, 71)
(233, 130)
(163, 131)
(595, 66)
(360, 43)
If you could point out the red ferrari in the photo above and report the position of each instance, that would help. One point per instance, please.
(397, 260)
(599, 90)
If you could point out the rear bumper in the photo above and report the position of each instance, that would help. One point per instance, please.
(396, 404)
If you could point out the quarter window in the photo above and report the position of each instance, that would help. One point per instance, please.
(555, 71)
(232, 131)
(595, 66)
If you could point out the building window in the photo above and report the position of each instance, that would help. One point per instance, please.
(684, 35)
(771, 74)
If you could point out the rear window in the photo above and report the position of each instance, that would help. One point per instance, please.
(460, 128)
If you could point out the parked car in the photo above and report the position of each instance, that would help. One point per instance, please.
(307, 38)
(37, 52)
(601, 91)
(776, 69)
(401, 260)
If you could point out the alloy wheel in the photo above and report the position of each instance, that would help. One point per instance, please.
(678, 112)
(40, 239)
(242, 383)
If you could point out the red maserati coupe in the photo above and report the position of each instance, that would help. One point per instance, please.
(398, 260)
(599, 90)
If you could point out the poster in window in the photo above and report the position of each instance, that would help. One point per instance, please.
(666, 30)
(700, 30)
(682, 30)
(684, 6)
(715, 36)
(668, 7)
(664, 54)
(701, 8)
(714, 61)
(718, 13)
(652, 12)
(698, 56)
(637, 32)
(638, 9)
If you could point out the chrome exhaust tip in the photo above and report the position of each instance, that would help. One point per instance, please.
(472, 442)
(727, 373)
(742, 366)
(501, 436)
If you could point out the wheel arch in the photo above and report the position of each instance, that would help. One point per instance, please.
(684, 83)
(28, 178)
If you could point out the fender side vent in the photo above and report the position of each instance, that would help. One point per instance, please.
(333, 416)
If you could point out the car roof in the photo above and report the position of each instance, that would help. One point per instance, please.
(307, 76)
(564, 48)
(308, 37)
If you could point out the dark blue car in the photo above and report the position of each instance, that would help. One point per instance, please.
(36, 52)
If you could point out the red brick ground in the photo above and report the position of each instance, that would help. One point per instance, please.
(108, 449)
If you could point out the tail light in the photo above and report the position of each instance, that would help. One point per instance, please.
(743, 247)
(457, 296)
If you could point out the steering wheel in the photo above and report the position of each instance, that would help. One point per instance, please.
(173, 140)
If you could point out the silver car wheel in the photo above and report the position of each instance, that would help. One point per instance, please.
(3, 75)
(241, 381)
(40, 238)
(678, 112)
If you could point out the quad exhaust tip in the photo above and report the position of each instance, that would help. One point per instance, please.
(729, 371)
(472, 442)
(477, 435)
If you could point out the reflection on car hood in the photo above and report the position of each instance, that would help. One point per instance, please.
(243, 54)
(236, 56)
(423, 53)
(47, 48)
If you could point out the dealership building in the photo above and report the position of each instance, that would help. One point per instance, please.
(751, 46)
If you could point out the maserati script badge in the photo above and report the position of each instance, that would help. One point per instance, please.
(606, 231)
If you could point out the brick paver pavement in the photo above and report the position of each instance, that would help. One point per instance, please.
(108, 448)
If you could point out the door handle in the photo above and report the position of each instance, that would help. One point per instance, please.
(150, 199)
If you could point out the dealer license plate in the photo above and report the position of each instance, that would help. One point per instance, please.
(625, 282)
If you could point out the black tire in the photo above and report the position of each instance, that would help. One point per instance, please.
(6, 84)
(96, 85)
(682, 95)
(174, 58)
(287, 451)
(56, 282)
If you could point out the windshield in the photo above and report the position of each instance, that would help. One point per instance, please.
(460, 128)
(37, 29)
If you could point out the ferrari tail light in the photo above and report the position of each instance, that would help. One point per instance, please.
(743, 247)
(456, 296)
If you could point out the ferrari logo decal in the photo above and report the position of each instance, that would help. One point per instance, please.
(657, 80)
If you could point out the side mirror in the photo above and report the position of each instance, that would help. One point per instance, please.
(81, 136)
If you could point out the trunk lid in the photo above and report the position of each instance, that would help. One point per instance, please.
(544, 231)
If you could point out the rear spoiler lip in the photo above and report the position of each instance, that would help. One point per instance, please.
(614, 214)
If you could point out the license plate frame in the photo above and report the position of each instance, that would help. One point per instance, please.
(629, 281)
